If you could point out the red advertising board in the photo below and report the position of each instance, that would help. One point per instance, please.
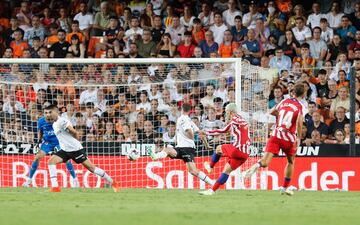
(313, 173)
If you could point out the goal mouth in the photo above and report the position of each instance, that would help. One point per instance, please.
(121, 104)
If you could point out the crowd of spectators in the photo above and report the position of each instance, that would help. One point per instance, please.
(287, 41)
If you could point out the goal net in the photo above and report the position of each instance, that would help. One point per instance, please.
(126, 106)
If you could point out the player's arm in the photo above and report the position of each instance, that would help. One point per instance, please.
(202, 135)
(40, 136)
(216, 132)
(72, 131)
(299, 123)
(274, 111)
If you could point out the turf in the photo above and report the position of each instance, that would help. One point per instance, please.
(140, 206)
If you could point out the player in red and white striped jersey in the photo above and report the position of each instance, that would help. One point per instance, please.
(237, 152)
(289, 113)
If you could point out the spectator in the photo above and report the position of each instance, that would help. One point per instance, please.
(146, 46)
(327, 33)
(306, 61)
(252, 48)
(334, 16)
(315, 138)
(318, 47)
(278, 96)
(64, 22)
(318, 125)
(206, 15)
(133, 51)
(290, 46)
(208, 45)
(346, 31)
(111, 38)
(218, 28)
(60, 48)
(280, 61)
(227, 47)
(86, 20)
(76, 49)
(249, 19)
(24, 16)
(355, 16)
(301, 32)
(147, 16)
(238, 31)
(314, 18)
(102, 19)
(157, 30)
(208, 99)
(18, 44)
(187, 20)
(230, 14)
(176, 30)
(186, 50)
(339, 121)
(338, 138)
(144, 105)
(75, 29)
(342, 100)
(335, 48)
(148, 136)
(298, 12)
(9, 32)
(169, 136)
(154, 115)
(165, 49)
(35, 31)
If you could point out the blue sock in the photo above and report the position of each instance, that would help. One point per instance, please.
(214, 159)
(223, 178)
(33, 168)
(70, 167)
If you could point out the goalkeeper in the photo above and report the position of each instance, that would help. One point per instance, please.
(47, 143)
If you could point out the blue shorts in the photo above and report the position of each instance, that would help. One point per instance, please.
(48, 147)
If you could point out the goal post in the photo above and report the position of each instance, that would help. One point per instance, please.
(118, 105)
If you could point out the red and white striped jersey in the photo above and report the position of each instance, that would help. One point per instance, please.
(239, 129)
(286, 121)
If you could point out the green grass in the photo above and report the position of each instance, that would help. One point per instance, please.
(166, 207)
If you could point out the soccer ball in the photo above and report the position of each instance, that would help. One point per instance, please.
(133, 154)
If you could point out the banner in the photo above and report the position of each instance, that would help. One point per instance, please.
(311, 173)
(121, 149)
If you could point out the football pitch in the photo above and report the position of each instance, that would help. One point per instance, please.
(166, 207)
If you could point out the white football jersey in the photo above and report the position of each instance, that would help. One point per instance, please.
(182, 124)
(67, 142)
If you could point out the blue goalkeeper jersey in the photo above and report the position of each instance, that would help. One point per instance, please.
(48, 131)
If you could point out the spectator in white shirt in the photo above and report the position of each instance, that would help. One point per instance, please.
(89, 95)
(249, 19)
(134, 33)
(206, 15)
(318, 47)
(208, 100)
(334, 16)
(144, 105)
(86, 19)
(187, 19)
(11, 105)
(176, 31)
(314, 18)
(301, 32)
(218, 28)
(327, 33)
(230, 14)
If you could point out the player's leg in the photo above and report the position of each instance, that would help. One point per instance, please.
(220, 181)
(214, 159)
(289, 169)
(71, 170)
(195, 172)
(272, 147)
(59, 157)
(98, 171)
(34, 166)
(167, 151)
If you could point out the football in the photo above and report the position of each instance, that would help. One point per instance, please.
(133, 154)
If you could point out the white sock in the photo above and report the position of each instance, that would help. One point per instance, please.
(202, 176)
(53, 176)
(103, 174)
(161, 155)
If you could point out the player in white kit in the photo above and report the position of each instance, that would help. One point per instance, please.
(185, 145)
(71, 148)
